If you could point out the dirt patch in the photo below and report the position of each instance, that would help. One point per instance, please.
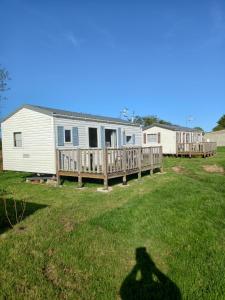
(51, 252)
(178, 169)
(213, 169)
(65, 278)
(103, 190)
(67, 225)
(20, 229)
(50, 272)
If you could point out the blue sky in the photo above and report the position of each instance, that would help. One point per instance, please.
(155, 57)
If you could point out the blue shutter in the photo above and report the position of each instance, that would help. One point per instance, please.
(133, 139)
(119, 137)
(124, 138)
(60, 132)
(75, 136)
(102, 137)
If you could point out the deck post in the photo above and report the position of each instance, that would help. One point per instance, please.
(105, 168)
(124, 167)
(106, 183)
(139, 163)
(80, 183)
(161, 159)
(151, 161)
(204, 150)
(58, 179)
(58, 167)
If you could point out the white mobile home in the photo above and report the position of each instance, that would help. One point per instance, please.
(32, 134)
(169, 136)
(216, 136)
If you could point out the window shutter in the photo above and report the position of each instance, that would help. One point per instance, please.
(75, 136)
(159, 138)
(124, 138)
(119, 137)
(60, 133)
(133, 139)
(145, 138)
(102, 137)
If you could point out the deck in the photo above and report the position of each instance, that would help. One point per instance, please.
(203, 149)
(107, 163)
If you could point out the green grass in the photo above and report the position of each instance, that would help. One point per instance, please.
(81, 244)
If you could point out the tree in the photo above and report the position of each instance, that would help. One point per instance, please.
(220, 124)
(199, 128)
(138, 120)
(149, 120)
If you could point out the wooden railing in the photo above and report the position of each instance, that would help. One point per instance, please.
(204, 148)
(108, 163)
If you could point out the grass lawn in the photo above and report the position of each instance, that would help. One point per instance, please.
(82, 244)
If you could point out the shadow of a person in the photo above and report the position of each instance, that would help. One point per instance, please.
(146, 281)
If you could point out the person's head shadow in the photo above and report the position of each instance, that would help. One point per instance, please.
(146, 281)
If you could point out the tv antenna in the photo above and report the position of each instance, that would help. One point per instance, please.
(124, 113)
(189, 120)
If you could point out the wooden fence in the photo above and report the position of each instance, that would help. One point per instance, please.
(191, 149)
(107, 163)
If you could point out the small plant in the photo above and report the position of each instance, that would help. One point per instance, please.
(13, 209)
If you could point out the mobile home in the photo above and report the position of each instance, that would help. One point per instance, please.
(216, 136)
(177, 140)
(32, 134)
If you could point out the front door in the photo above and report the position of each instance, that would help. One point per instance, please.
(110, 138)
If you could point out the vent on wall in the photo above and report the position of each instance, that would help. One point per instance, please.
(26, 155)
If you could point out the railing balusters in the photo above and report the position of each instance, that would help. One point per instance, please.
(112, 161)
(204, 148)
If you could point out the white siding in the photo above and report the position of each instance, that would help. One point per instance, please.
(83, 126)
(167, 139)
(216, 136)
(37, 153)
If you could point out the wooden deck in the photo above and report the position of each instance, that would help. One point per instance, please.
(107, 163)
(203, 149)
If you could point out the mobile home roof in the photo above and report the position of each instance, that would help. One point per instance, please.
(171, 127)
(74, 115)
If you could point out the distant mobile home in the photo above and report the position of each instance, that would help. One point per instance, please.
(216, 136)
(32, 135)
(169, 136)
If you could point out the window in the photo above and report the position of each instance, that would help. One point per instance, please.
(129, 139)
(67, 136)
(93, 137)
(17, 136)
(152, 138)
(110, 138)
